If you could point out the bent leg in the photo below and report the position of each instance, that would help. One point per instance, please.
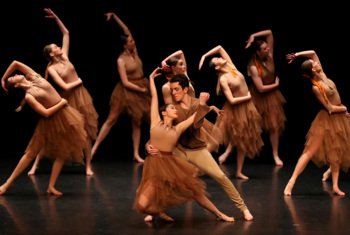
(204, 202)
(105, 129)
(21, 166)
(301, 164)
(206, 163)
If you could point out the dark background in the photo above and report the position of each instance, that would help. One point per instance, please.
(160, 28)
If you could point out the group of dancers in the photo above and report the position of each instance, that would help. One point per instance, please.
(181, 137)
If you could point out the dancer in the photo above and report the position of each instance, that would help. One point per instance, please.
(60, 132)
(131, 94)
(166, 179)
(265, 91)
(63, 73)
(240, 126)
(175, 64)
(327, 141)
(192, 147)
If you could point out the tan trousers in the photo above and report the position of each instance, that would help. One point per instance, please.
(205, 162)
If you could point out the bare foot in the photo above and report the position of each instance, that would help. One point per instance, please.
(338, 192)
(223, 217)
(89, 172)
(247, 215)
(278, 161)
(54, 192)
(2, 190)
(32, 171)
(148, 218)
(222, 159)
(138, 159)
(241, 176)
(288, 189)
(165, 217)
(326, 175)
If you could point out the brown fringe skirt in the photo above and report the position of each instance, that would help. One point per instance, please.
(334, 132)
(268, 103)
(240, 126)
(61, 135)
(136, 104)
(80, 99)
(167, 181)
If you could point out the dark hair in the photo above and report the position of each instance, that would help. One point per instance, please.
(47, 51)
(306, 69)
(172, 61)
(257, 44)
(162, 109)
(124, 38)
(9, 86)
(15, 94)
(181, 79)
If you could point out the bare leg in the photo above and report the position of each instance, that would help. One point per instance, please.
(136, 135)
(226, 154)
(105, 129)
(55, 172)
(326, 174)
(21, 166)
(335, 178)
(299, 168)
(207, 204)
(240, 162)
(301, 164)
(274, 139)
(35, 165)
(87, 154)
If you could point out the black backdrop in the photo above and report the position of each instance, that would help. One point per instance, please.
(159, 29)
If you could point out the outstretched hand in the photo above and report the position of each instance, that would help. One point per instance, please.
(156, 72)
(109, 15)
(49, 13)
(249, 41)
(290, 57)
(218, 111)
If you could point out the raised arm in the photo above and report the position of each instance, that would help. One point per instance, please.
(65, 40)
(121, 24)
(155, 118)
(177, 54)
(264, 33)
(216, 50)
(15, 66)
(40, 109)
(60, 82)
(311, 54)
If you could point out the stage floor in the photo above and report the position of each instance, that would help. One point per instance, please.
(102, 204)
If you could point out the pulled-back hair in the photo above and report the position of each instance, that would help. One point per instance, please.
(306, 69)
(162, 109)
(257, 44)
(124, 38)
